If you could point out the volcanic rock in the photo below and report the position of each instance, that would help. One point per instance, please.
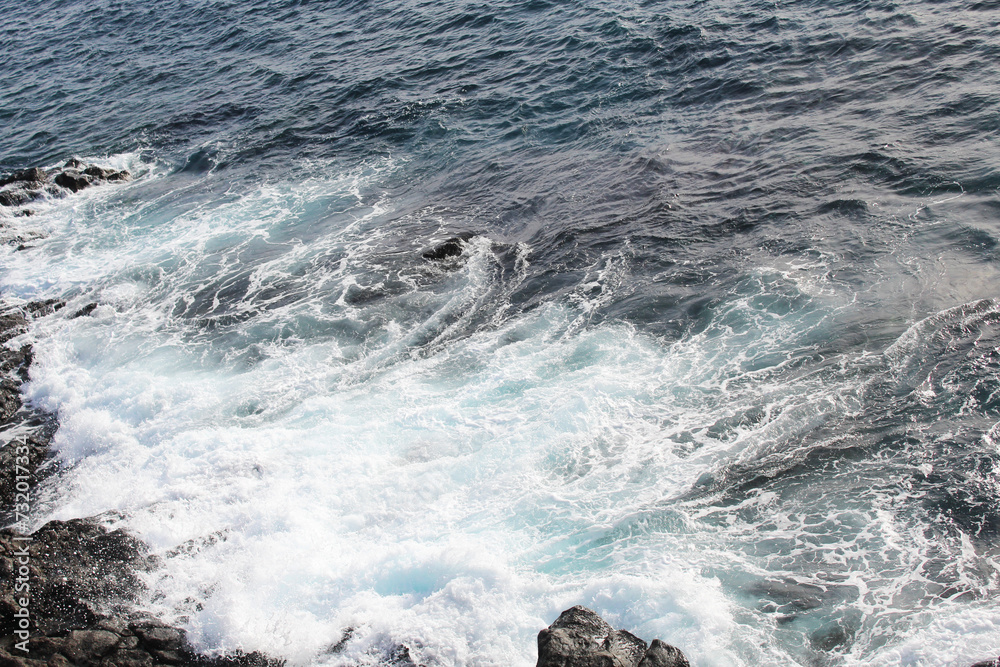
(33, 175)
(73, 180)
(581, 638)
(18, 197)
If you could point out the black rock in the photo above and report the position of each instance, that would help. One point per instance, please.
(33, 175)
(581, 638)
(15, 363)
(42, 308)
(82, 645)
(29, 452)
(161, 637)
(18, 197)
(660, 654)
(10, 399)
(83, 312)
(988, 663)
(12, 323)
(73, 163)
(73, 180)
(98, 172)
(453, 247)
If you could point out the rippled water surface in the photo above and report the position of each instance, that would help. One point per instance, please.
(720, 357)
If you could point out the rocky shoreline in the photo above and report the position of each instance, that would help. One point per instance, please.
(72, 588)
(72, 585)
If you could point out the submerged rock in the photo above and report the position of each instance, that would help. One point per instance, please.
(452, 247)
(24, 186)
(581, 638)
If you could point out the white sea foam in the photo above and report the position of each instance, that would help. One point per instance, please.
(320, 462)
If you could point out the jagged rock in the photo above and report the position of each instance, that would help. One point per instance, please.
(84, 579)
(73, 180)
(15, 363)
(28, 185)
(43, 308)
(32, 175)
(83, 312)
(581, 638)
(453, 247)
(98, 172)
(988, 663)
(660, 654)
(18, 197)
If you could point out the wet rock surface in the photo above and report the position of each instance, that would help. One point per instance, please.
(581, 638)
(660, 654)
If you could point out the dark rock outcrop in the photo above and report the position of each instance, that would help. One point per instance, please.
(33, 175)
(20, 188)
(27, 185)
(73, 180)
(18, 197)
(988, 663)
(581, 638)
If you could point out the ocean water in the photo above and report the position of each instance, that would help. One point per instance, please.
(721, 360)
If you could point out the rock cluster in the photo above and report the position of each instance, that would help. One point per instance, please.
(581, 638)
(22, 187)
(27, 185)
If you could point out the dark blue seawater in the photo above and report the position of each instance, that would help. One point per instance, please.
(720, 357)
